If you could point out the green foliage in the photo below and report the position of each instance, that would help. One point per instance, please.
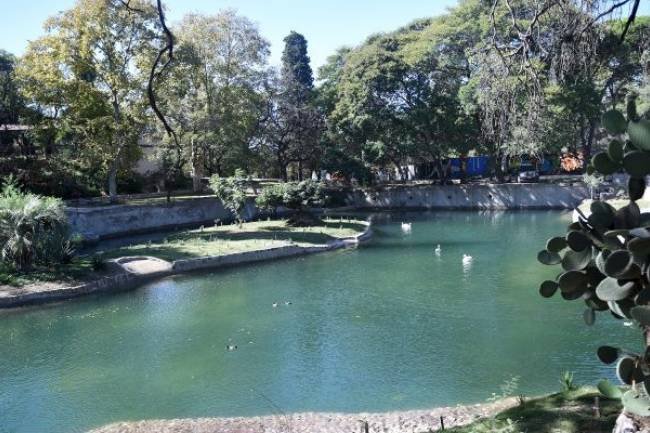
(296, 196)
(609, 390)
(271, 196)
(303, 195)
(212, 95)
(88, 77)
(232, 192)
(296, 70)
(55, 176)
(376, 118)
(33, 229)
(607, 257)
(567, 381)
(97, 263)
(636, 402)
(292, 195)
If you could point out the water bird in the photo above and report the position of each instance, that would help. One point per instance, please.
(467, 259)
(438, 250)
(231, 347)
(406, 227)
(274, 305)
(287, 303)
(628, 323)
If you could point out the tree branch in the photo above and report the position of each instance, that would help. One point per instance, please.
(156, 73)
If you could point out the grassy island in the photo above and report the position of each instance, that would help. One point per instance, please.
(186, 244)
(234, 238)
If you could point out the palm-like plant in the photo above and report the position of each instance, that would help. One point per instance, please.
(32, 228)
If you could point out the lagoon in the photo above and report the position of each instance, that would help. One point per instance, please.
(389, 325)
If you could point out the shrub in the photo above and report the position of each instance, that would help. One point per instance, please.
(232, 192)
(54, 176)
(271, 196)
(299, 197)
(303, 195)
(97, 262)
(567, 381)
(33, 229)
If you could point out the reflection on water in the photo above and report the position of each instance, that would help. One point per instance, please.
(390, 325)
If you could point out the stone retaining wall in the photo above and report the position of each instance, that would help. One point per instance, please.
(103, 222)
(96, 223)
(474, 196)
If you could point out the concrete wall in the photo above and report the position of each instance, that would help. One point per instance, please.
(501, 196)
(113, 221)
(104, 222)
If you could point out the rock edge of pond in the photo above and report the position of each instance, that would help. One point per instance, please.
(131, 272)
(410, 421)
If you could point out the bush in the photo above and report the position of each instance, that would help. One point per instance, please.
(33, 229)
(567, 381)
(271, 196)
(54, 176)
(299, 197)
(232, 192)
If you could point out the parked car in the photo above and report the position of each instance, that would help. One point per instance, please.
(527, 173)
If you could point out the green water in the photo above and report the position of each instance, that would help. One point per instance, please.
(383, 327)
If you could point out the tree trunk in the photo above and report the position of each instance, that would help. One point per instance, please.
(590, 141)
(112, 173)
(112, 182)
(283, 171)
(197, 169)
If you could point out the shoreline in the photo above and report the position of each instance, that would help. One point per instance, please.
(132, 272)
(407, 421)
(107, 222)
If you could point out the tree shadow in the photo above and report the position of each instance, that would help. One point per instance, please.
(566, 412)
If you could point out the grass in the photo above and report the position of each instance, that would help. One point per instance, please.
(72, 272)
(565, 412)
(227, 239)
(212, 241)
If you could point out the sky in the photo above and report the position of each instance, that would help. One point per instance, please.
(327, 24)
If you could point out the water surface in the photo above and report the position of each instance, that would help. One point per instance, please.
(386, 326)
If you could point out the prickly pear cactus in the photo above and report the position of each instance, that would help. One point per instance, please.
(605, 256)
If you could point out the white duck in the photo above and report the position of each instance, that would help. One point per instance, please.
(406, 227)
(438, 250)
(467, 259)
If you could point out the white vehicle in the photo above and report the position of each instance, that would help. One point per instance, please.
(527, 173)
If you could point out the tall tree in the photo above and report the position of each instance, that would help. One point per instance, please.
(213, 94)
(293, 124)
(399, 97)
(11, 103)
(88, 74)
(297, 76)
